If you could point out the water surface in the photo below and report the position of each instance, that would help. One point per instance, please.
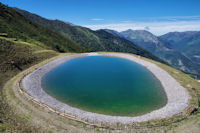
(106, 85)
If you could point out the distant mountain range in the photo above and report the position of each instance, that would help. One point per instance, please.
(185, 42)
(180, 49)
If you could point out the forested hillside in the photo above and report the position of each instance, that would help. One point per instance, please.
(187, 43)
(92, 40)
(17, 26)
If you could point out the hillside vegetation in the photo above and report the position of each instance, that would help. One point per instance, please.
(187, 43)
(16, 56)
(17, 26)
(92, 40)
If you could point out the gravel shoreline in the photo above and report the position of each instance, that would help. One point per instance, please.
(178, 96)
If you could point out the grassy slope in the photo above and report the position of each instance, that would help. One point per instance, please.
(93, 40)
(17, 26)
(179, 61)
(15, 57)
(191, 123)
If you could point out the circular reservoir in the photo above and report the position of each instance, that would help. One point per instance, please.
(105, 85)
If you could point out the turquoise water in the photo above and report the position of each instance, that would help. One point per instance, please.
(106, 85)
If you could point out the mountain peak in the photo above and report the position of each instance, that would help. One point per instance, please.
(129, 30)
(116, 33)
(144, 35)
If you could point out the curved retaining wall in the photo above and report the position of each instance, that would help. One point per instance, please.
(178, 97)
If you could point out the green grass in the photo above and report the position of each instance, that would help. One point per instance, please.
(15, 57)
(17, 26)
(193, 88)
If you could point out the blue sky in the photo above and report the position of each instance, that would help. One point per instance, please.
(119, 15)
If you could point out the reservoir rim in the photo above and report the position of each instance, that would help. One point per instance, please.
(175, 104)
(164, 96)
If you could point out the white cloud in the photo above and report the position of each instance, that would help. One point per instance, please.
(96, 19)
(166, 18)
(157, 28)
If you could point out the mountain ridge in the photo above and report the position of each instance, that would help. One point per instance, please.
(187, 43)
(93, 40)
(17, 26)
(163, 49)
